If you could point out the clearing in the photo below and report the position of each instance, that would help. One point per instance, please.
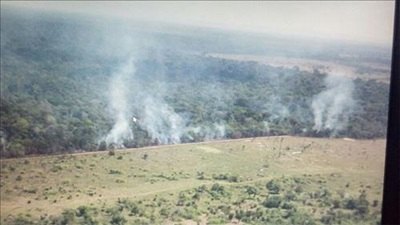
(47, 185)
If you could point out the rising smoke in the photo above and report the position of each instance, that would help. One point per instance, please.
(333, 106)
(163, 124)
(132, 95)
(118, 102)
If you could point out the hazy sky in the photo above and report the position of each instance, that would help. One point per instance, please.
(364, 21)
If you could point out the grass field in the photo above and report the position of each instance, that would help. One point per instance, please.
(272, 180)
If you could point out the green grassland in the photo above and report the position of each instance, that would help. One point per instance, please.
(275, 180)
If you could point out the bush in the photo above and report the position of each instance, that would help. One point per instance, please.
(252, 191)
(30, 190)
(233, 179)
(336, 204)
(350, 204)
(220, 177)
(114, 172)
(102, 146)
(287, 205)
(67, 217)
(82, 211)
(290, 196)
(188, 213)
(118, 220)
(21, 220)
(272, 201)
(200, 175)
(361, 205)
(217, 188)
(301, 218)
(273, 186)
(164, 212)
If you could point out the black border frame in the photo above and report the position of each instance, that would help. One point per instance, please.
(391, 188)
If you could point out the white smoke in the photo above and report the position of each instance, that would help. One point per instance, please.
(219, 131)
(210, 132)
(161, 122)
(118, 101)
(130, 92)
(333, 106)
(165, 126)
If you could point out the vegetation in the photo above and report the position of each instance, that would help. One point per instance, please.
(201, 202)
(66, 85)
(190, 184)
(55, 93)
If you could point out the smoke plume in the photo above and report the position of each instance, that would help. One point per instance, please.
(118, 101)
(161, 122)
(333, 106)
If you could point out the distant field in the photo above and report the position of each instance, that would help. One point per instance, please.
(376, 71)
(276, 180)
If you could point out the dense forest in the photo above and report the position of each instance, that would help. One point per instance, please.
(82, 85)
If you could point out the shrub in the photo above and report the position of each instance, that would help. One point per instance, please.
(67, 217)
(328, 219)
(233, 179)
(118, 220)
(217, 219)
(298, 189)
(220, 177)
(102, 146)
(111, 153)
(56, 168)
(201, 189)
(217, 188)
(119, 181)
(272, 201)
(200, 175)
(301, 218)
(273, 186)
(251, 190)
(21, 220)
(188, 213)
(336, 204)
(82, 211)
(350, 204)
(287, 205)
(290, 196)
(362, 205)
(134, 209)
(30, 191)
(229, 178)
(114, 172)
(11, 168)
(164, 212)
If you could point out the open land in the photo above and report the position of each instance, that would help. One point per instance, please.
(205, 183)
